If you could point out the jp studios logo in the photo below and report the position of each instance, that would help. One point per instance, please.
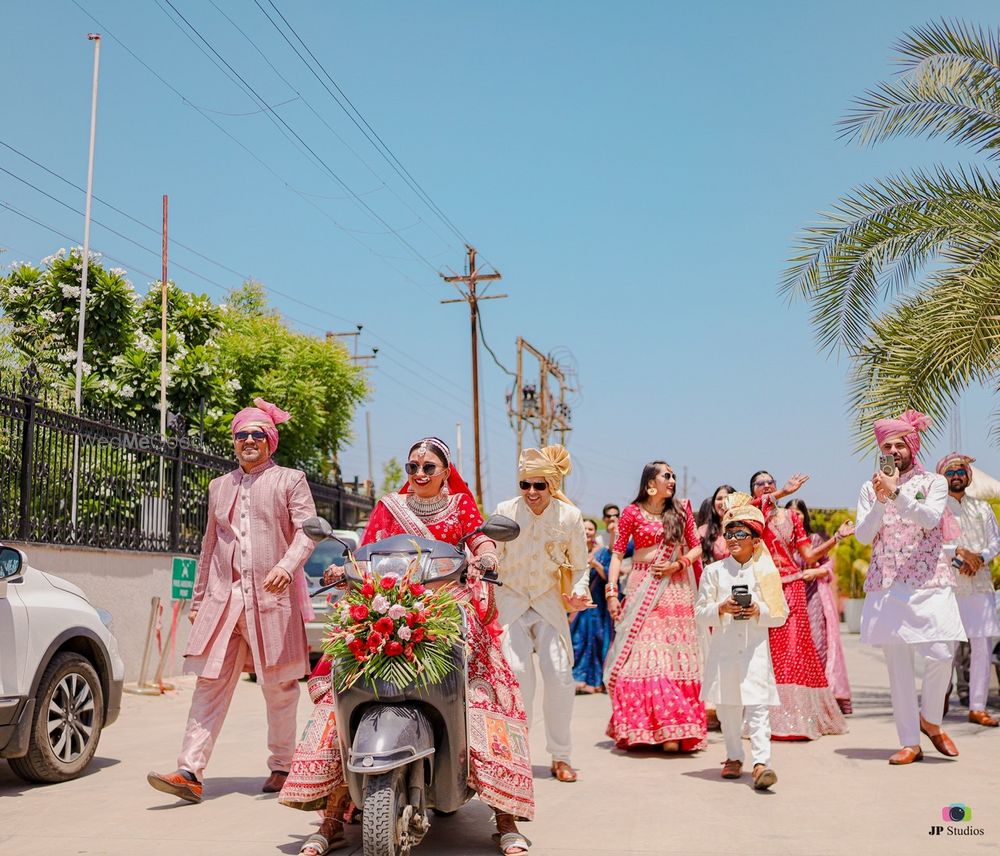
(956, 813)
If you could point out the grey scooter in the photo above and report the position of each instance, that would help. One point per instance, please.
(406, 751)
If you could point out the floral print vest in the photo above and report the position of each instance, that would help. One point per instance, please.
(906, 552)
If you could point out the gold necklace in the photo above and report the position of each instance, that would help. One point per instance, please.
(653, 514)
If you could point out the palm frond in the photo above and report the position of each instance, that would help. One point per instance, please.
(878, 240)
(929, 348)
(950, 88)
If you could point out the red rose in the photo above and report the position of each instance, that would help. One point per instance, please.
(368, 590)
(387, 582)
(393, 649)
(360, 656)
(417, 589)
(374, 641)
(418, 635)
(359, 612)
(384, 625)
(422, 616)
(411, 619)
(356, 646)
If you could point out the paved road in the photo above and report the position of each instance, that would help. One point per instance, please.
(834, 796)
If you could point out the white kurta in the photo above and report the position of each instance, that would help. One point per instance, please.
(980, 534)
(738, 669)
(910, 615)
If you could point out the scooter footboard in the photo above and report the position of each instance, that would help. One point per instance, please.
(390, 736)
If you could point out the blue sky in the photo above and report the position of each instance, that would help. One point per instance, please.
(637, 171)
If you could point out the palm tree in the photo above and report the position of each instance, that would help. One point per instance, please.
(903, 275)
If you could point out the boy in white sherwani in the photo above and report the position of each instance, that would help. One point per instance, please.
(739, 678)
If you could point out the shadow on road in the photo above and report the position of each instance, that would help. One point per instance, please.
(882, 755)
(12, 786)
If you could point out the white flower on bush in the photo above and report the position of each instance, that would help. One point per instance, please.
(69, 290)
(67, 357)
(380, 604)
(127, 391)
(397, 611)
(404, 633)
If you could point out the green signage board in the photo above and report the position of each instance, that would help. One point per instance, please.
(183, 578)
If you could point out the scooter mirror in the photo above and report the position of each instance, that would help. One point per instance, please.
(317, 528)
(500, 528)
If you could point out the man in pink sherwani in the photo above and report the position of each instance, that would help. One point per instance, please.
(250, 602)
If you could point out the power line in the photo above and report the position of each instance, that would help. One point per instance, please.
(381, 147)
(482, 335)
(276, 118)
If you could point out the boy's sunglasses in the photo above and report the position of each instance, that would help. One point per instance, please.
(737, 535)
(428, 469)
(256, 435)
(950, 474)
(527, 485)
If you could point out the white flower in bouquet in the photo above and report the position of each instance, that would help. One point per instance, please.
(397, 611)
(380, 604)
(404, 633)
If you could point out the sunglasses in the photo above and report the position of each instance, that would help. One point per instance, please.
(428, 469)
(539, 486)
(764, 482)
(668, 476)
(244, 435)
(611, 516)
(737, 535)
(952, 473)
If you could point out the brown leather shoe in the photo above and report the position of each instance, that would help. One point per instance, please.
(981, 717)
(176, 784)
(942, 742)
(274, 782)
(732, 769)
(563, 771)
(906, 755)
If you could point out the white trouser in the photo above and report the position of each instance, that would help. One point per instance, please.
(758, 719)
(979, 672)
(532, 634)
(938, 658)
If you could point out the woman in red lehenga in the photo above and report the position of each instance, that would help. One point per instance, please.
(653, 673)
(434, 503)
(808, 708)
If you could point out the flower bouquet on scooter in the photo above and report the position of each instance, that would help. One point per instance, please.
(395, 629)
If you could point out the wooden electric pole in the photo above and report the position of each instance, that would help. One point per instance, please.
(470, 280)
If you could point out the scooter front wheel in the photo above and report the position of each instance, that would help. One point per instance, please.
(384, 801)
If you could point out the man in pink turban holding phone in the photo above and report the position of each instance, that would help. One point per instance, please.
(910, 608)
(250, 601)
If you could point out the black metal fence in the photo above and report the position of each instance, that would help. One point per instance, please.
(90, 480)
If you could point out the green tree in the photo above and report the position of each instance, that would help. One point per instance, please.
(904, 274)
(392, 476)
(312, 378)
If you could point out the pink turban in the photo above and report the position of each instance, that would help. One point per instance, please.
(908, 426)
(957, 458)
(265, 416)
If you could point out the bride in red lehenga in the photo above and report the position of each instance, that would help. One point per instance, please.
(434, 503)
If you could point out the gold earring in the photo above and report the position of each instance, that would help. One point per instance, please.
(651, 491)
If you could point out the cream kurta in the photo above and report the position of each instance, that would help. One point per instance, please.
(980, 534)
(529, 565)
(738, 668)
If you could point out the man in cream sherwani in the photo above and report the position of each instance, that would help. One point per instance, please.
(250, 602)
(531, 605)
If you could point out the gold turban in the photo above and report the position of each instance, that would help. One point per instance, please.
(551, 463)
(740, 510)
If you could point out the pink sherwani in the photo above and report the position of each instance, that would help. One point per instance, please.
(254, 525)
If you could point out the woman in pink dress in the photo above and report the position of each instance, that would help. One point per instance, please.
(653, 673)
(808, 708)
(713, 544)
(434, 503)
(824, 615)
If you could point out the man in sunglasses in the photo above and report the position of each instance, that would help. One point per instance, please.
(532, 604)
(972, 548)
(250, 602)
(910, 608)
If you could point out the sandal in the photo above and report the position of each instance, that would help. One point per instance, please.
(319, 845)
(511, 843)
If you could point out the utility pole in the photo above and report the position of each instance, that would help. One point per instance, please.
(471, 279)
(534, 404)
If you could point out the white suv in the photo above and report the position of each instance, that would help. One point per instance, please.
(326, 553)
(60, 673)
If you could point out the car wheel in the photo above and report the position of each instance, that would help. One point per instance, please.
(66, 723)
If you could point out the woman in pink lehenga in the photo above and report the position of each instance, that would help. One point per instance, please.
(653, 673)
(824, 614)
(434, 503)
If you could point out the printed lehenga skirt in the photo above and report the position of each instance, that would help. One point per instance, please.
(655, 678)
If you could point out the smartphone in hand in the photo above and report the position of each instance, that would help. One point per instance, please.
(741, 594)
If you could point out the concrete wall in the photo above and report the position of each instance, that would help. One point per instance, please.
(123, 583)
